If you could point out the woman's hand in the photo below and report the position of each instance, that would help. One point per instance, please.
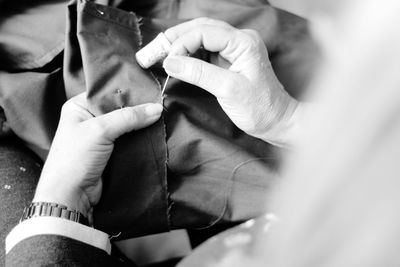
(81, 148)
(242, 78)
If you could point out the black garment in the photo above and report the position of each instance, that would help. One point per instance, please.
(54, 250)
(213, 172)
(99, 58)
(19, 173)
(239, 243)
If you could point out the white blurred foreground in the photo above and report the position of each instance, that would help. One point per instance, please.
(340, 200)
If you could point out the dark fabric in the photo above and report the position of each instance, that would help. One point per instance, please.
(19, 174)
(105, 40)
(215, 172)
(53, 250)
(167, 263)
(198, 236)
(5, 130)
(32, 33)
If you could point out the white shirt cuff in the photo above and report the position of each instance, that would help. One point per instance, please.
(57, 226)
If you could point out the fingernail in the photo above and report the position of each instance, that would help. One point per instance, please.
(173, 65)
(153, 109)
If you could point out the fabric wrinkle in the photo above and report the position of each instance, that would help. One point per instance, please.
(112, 81)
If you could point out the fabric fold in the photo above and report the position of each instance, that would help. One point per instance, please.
(135, 177)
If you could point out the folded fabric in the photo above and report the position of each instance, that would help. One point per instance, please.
(99, 57)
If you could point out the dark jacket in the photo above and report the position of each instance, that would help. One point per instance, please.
(58, 250)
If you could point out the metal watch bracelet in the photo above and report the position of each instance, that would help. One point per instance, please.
(40, 209)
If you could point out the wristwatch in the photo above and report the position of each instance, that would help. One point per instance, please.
(41, 209)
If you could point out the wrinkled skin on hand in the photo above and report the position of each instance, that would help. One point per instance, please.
(241, 78)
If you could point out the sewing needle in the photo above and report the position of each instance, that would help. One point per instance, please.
(165, 86)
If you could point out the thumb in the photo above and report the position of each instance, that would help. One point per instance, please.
(215, 80)
(118, 122)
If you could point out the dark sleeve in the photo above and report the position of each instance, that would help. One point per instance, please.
(54, 250)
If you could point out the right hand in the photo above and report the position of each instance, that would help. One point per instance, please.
(243, 80)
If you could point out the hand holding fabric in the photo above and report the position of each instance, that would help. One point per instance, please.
(242, 77)
(81, 148)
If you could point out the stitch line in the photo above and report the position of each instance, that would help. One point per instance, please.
(110, 20)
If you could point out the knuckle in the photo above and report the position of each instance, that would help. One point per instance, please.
(129, 115)
(67, 106)
(170, 34)
(252, 37)
(251, 32)
(197, 73)
(178, 48)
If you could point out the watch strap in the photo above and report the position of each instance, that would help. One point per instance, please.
(40, 209)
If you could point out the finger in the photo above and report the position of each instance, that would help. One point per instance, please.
(159, 47)
(153, 52)
(230, 43)
(116, 123)
(75, 109)
(175, 32)
(216, 80)
(212, 38)
(80, 99)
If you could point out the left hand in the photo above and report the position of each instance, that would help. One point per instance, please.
(81, 148)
